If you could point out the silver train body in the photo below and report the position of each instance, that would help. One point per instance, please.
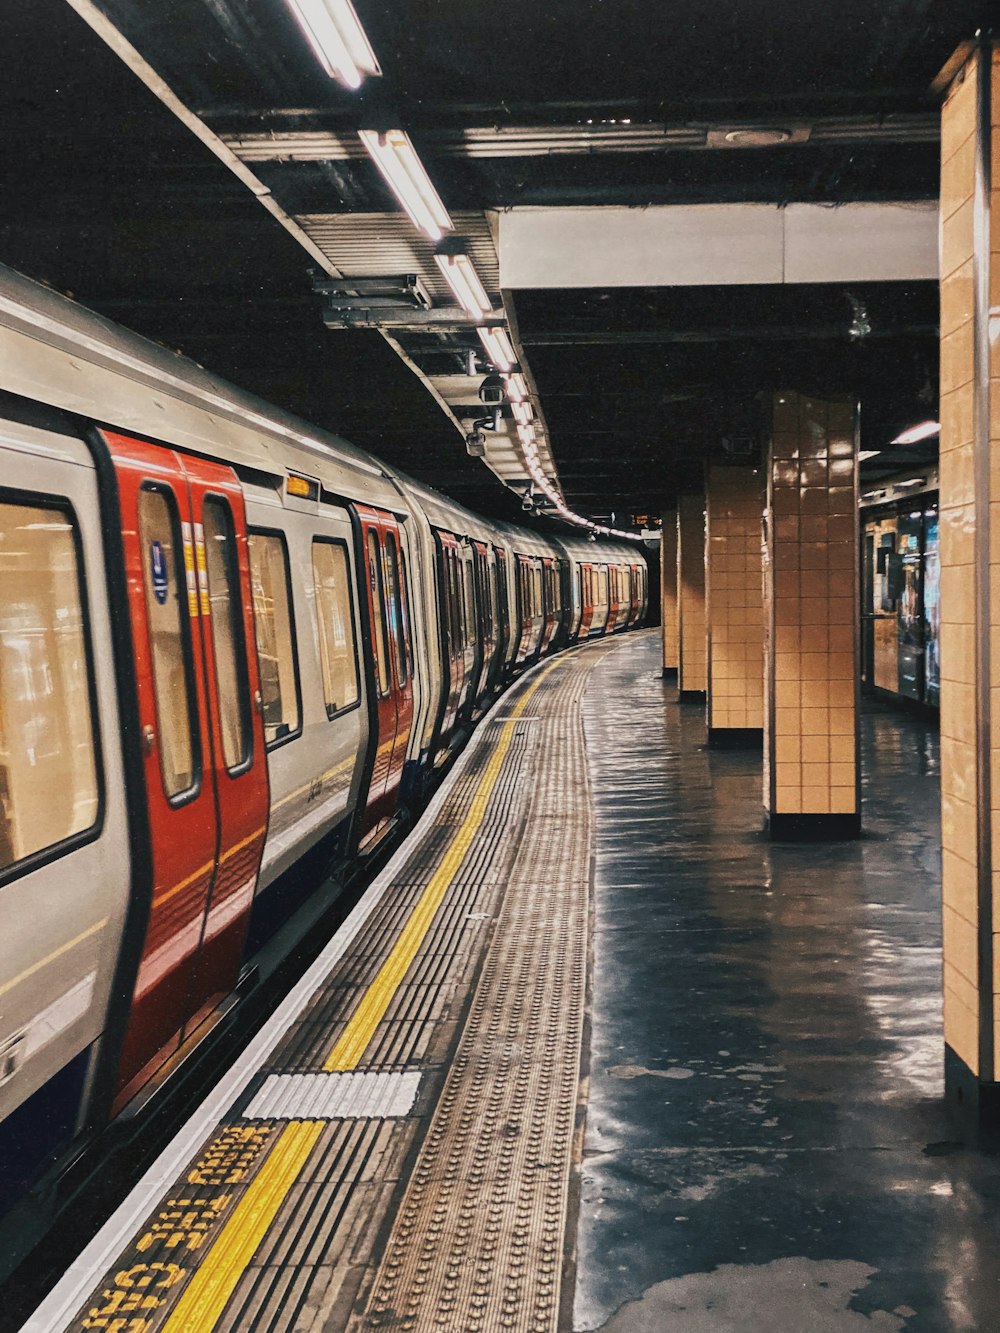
(153, 851)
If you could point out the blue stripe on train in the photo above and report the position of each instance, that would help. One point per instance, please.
(33, 1137)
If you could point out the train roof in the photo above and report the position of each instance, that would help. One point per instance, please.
(54, 351)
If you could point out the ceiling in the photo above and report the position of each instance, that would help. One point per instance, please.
(107, 194)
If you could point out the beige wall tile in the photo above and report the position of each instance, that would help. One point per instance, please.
(668, 589)
(734, 598)
(811, 591)
(692, 648)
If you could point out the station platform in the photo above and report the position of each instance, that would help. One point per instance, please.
(590, 1053)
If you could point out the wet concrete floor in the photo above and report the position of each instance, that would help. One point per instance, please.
(766, 1147)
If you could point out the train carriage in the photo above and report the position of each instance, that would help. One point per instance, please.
(233, 650)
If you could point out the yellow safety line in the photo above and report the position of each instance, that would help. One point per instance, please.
(354, 1039)
(216, 1278)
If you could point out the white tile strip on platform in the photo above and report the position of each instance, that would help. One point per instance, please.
(372, 1095)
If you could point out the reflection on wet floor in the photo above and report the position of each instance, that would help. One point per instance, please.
(766, 1146)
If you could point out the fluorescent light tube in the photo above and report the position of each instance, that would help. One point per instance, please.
(517, 390)
(526, 434)
(461, 276)
(404, 173)
(337, 39)
(922, 431)
(522, 413)
(498, 348)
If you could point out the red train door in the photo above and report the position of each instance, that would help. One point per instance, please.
(201, 737)
(391, 659)
(236, 718)
(587, 599)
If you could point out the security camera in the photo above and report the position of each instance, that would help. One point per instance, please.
(475, 443)
(528, 503)
(491, 391)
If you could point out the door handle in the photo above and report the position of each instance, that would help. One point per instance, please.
(258, 702)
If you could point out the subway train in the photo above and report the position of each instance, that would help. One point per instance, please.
(235, 651)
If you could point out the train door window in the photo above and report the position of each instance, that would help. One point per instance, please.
(493, 577)
(458, 601)
(539, 604)
(270, 579)
(489, 596)
(378, 607)
(394, 596)
(446, 613)
(452, 603)
(227, 632)
(470, 601)
(337, 648)
(404, 602)
(47, 745)
(165, 582)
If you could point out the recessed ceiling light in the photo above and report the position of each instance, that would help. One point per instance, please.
(924, 430)
(404, 173)
(337, 38)
(760, 136)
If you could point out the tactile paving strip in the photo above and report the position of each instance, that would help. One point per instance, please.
(478, 1241)
(274, 1223)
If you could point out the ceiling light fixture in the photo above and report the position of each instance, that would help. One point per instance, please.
(517, 390)
(460, 274)
(336, 36)
(499, 348)
(522, 413)
(924, 430)
(526, 434)
(404, 173)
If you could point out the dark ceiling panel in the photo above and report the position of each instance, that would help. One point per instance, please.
(108, 195)
(663, 377)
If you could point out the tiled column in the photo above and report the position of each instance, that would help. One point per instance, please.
(734, 604)
(970, 595)
(668, 592)
(692, 675)
(811, 614)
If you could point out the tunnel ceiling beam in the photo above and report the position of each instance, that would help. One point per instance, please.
(717, 244)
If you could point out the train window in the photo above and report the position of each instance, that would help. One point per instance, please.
(394, 597)
(270, 580)
(537, 585)
(227, 632)
(493, 577)
(404, 602)
(380, 647)
(470, 602)
(447, 624)
(164, 580)
(47, 743)
(335, 621)
(457, 617)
